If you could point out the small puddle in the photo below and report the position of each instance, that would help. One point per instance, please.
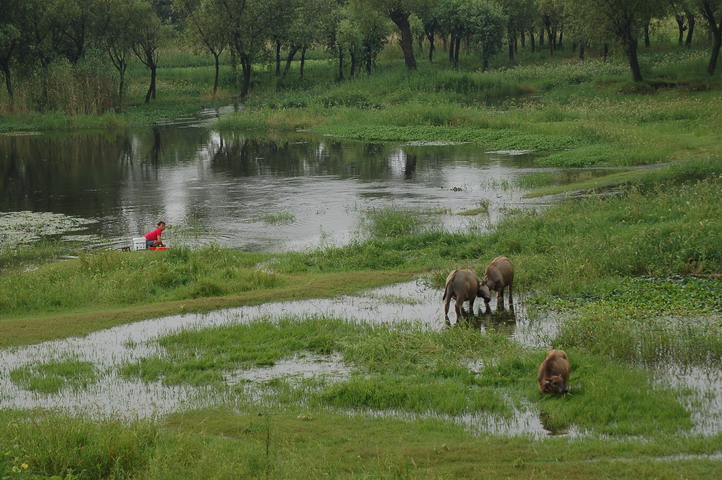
(299, 367)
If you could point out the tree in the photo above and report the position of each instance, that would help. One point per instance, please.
(552, 15)
(206, 26)
(430, 16)
(305, 28)
(520, 16)
(247, 28)
(150, 33)
(399, 12)
(11, 17)
(618, 20)
(712, 12)
(362, 32)
(113, 28)
(487, 28)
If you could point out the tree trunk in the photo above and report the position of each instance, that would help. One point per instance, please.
(354, 61)
(401, 19)
(457, 47)
(289, 59)
(430, 37)
(510, 41)
(303, 60)
(522, 35)
(647, 41)
(121, 86)
(680, 28)
(452, 42)
(541, 37)
(246, 70)
(215, 78)
(340, 65)
(716, 31)
(712, 66)
(605, 52)
(5, 67)
(151, 88)
(690, 30)
(581, 51)
(548, 26)
(560, 45)
(278, 58)
(532, 40)
(630, 49)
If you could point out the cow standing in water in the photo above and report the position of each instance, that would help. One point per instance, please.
(498, 276)
(462, 285)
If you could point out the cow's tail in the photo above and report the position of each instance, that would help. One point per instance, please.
(446, 288)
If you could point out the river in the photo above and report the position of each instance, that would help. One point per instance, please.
(250, 191)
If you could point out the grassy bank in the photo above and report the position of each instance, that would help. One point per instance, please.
(213, 443)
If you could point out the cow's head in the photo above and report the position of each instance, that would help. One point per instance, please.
(554, 384)
(484, 292)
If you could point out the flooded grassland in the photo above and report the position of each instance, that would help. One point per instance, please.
(302, 384)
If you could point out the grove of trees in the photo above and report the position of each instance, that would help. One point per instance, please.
(42, 38)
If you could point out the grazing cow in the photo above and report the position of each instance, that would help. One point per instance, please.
(553, 376)
(462, 285)
(497, 276)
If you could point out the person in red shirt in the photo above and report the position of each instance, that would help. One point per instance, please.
(153, 239)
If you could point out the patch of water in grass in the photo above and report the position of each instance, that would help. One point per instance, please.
(705, 401)
(106, 350)
(413, 302)
(298, 367)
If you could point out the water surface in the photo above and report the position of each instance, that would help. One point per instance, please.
(247, 191)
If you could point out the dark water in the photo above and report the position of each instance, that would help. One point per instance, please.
(255, 192)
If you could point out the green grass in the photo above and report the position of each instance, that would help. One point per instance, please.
(222, 444)
(54, 376)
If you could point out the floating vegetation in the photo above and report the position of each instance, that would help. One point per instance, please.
(26, 226)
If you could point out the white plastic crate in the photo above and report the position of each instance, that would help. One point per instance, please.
(138, 244)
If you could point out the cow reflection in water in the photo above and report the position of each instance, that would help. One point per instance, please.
(501, 321)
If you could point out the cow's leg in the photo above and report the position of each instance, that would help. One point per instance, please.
(458, 309)
(446, 306)
(500, 299)
(511, 298)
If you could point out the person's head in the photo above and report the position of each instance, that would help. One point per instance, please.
(161, 225)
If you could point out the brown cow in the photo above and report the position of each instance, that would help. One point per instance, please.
(497, 276)
(462, 285)
(553, 376)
